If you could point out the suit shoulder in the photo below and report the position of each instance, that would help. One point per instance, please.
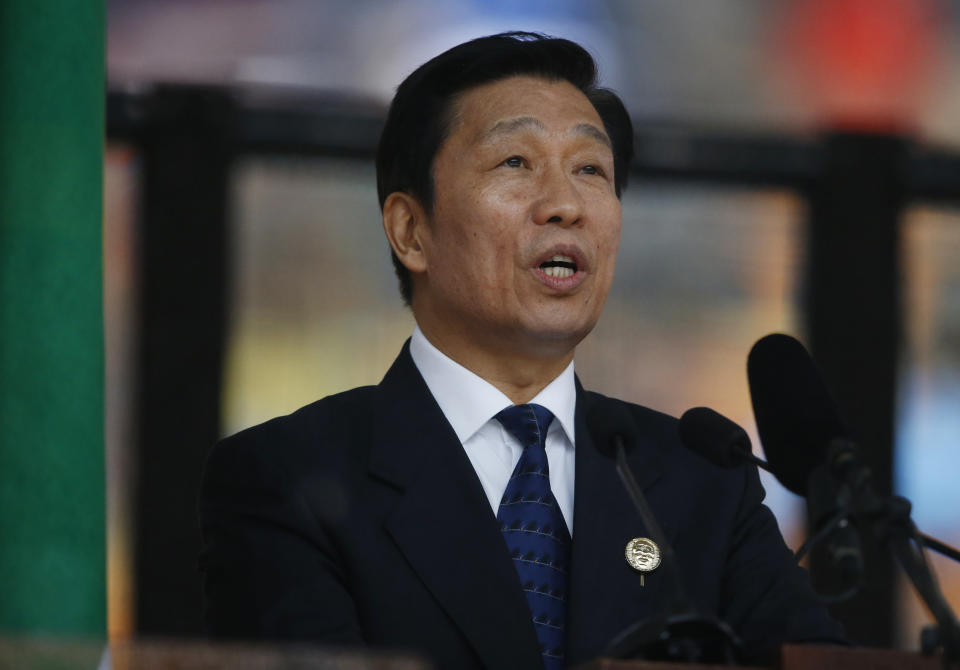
(312, 430)
(325, 414)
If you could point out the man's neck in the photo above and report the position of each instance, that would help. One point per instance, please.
(519, 377)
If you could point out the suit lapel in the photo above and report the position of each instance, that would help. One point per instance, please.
(443, 524)
(605, 592)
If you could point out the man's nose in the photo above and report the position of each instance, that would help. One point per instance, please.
(560, 202)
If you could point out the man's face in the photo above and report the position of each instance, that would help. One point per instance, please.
(522, 241)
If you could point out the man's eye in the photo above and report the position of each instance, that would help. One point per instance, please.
(590, 169)
(514, 161)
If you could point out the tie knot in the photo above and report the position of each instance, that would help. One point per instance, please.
(528, 423)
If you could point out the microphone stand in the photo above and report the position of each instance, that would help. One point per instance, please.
(939, 547)
(928, 541)
(892, 524)
(853, 497)
(683, 636)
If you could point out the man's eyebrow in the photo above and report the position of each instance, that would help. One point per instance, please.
(591, 130)
(507, 126)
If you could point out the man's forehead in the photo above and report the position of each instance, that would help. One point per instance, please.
(518, 124)
(522, 103)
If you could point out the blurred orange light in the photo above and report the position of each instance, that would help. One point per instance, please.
(864, 63)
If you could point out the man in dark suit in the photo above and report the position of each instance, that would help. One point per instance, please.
(460, 508)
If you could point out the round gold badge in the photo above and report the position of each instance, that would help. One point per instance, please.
(643, 554)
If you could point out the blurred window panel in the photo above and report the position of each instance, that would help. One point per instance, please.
(315, 308)
(702, 273)
(121, 186)
(928, 427)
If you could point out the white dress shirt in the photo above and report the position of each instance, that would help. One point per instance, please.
(470, 404)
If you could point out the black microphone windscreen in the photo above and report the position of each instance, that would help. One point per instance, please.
(608, 419)
(795, 413)
(714, 437)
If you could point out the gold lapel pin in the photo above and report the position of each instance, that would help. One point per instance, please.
(643, 555)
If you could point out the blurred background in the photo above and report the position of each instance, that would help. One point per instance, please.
(797, 170)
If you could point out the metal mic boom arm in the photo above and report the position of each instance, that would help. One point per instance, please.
(680, 605)
(893, 525)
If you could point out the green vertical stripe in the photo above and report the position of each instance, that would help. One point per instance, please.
(52, 538)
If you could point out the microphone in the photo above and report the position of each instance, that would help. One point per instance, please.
(801, 428)
(809, 449)
(724, 443)
(799, 424)
(795, 413)
(683, 634)
(717, 439)
(813, 453)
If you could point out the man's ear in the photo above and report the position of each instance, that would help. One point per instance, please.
(405, 224)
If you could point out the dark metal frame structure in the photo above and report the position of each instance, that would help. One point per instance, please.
(855, 185)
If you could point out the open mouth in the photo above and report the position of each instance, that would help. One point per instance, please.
(559, 267)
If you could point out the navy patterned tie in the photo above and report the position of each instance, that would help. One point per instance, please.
(534, 530)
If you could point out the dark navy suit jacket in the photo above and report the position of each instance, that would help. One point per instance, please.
(359, 520)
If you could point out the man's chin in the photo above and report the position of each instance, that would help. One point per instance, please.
(553, 339)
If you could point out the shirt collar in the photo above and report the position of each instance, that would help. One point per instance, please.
(468, 401)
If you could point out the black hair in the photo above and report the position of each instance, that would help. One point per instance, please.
(420, 115)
